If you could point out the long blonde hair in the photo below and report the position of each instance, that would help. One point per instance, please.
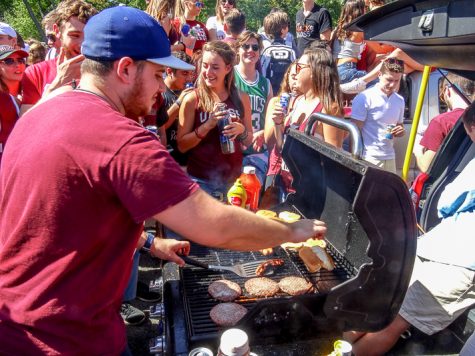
(204, 93)
(158, 9)
(325, 83)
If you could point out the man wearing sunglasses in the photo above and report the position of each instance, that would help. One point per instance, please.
(379, 113)
(53, 42)
(44, 77)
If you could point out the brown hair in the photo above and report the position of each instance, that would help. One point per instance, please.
(274, 23)
(246, 36)
(206, 100)
(466, 86)
(37, 51)
(74, 8)
(468, 117)
(325, 83)
(235, 20)
(49, 19)
(284, 85)
(350, 11)
(219, 11)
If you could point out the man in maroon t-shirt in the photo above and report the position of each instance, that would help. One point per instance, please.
(42, 78)
(440, 126)
(93, 175)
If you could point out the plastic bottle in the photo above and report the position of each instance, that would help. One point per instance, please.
(234, 342)
(253, 187)
(237, 194)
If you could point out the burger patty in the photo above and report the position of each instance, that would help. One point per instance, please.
(261, 287)
(224, 290)
(227, 314)
(295, 285)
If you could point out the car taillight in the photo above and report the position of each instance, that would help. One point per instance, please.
(416, 189)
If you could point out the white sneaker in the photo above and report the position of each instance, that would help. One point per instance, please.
(354, 87)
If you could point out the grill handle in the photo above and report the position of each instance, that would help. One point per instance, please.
(193, 262)
(355, 135)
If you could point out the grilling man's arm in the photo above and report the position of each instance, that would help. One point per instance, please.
(204, 220)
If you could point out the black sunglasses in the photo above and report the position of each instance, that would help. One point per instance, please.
(230, 2)
(396, 61)
(12, 61)
(254, 47)
(51, 37)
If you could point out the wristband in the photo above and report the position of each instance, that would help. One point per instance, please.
(178, 102)
(148, 243)
(198, 135)
(242, 136)
(180, 43)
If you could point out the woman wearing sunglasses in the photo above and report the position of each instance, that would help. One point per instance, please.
(187, 11)
(316, 77)
(259, 89)
(215, 24)
(199, 116)
(12, 68)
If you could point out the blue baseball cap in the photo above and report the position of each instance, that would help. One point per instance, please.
(123, 31)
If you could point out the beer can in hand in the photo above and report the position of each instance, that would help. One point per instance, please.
(227, 144)
(284, 102)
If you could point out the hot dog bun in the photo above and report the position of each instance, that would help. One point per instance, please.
(324, 257)
(266, 213)
(312, 262)
(288, 216)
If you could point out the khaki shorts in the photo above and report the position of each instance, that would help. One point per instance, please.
(387, 164)
(438, 293)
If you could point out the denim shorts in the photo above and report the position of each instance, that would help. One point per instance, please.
(348, 72)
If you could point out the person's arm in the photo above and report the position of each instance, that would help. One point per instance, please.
(246, 120)
(187, 137)
(165, 249)
(326, 35)
(274, 124)
(398, 130)
(424, 160)
(174, 109)
(210, 223)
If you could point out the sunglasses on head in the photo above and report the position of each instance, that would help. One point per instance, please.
(12, 61)
(254, 47)
(199, 4)
(396, 61)
(230, 2)
(300, 66)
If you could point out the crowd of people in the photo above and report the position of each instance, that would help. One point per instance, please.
(95, 174)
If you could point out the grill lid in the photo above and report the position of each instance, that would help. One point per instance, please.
(370, 222)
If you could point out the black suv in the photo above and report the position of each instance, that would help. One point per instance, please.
(439, 33)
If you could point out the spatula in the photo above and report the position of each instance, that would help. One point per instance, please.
(246, 270)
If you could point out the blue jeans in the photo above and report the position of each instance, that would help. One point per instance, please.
(131, 290)
(348, 72)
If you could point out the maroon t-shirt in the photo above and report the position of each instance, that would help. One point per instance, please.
(73, 198)
(36, 77)
(439, 128)
(206, 161)
(8, 118)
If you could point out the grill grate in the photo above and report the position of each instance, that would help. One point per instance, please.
(195, 281)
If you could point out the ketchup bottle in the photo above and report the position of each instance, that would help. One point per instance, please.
(252, 185)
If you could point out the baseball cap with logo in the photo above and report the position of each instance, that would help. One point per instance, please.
(7, 30)
(7, 51)
(123, 31)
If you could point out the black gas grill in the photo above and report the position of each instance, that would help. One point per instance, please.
(371, 237)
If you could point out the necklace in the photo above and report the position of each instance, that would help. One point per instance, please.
(103, 97)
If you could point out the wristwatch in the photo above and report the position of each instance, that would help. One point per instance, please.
(148, 243)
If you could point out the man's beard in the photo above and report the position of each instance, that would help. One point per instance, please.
(134, 102)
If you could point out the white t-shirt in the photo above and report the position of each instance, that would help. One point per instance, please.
(213, 24)
(377, 110)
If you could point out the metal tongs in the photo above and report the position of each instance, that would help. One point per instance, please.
(246, 270)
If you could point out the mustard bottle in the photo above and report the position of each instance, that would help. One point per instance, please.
(237, 194)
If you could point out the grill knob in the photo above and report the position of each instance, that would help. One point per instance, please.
(157, 345)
